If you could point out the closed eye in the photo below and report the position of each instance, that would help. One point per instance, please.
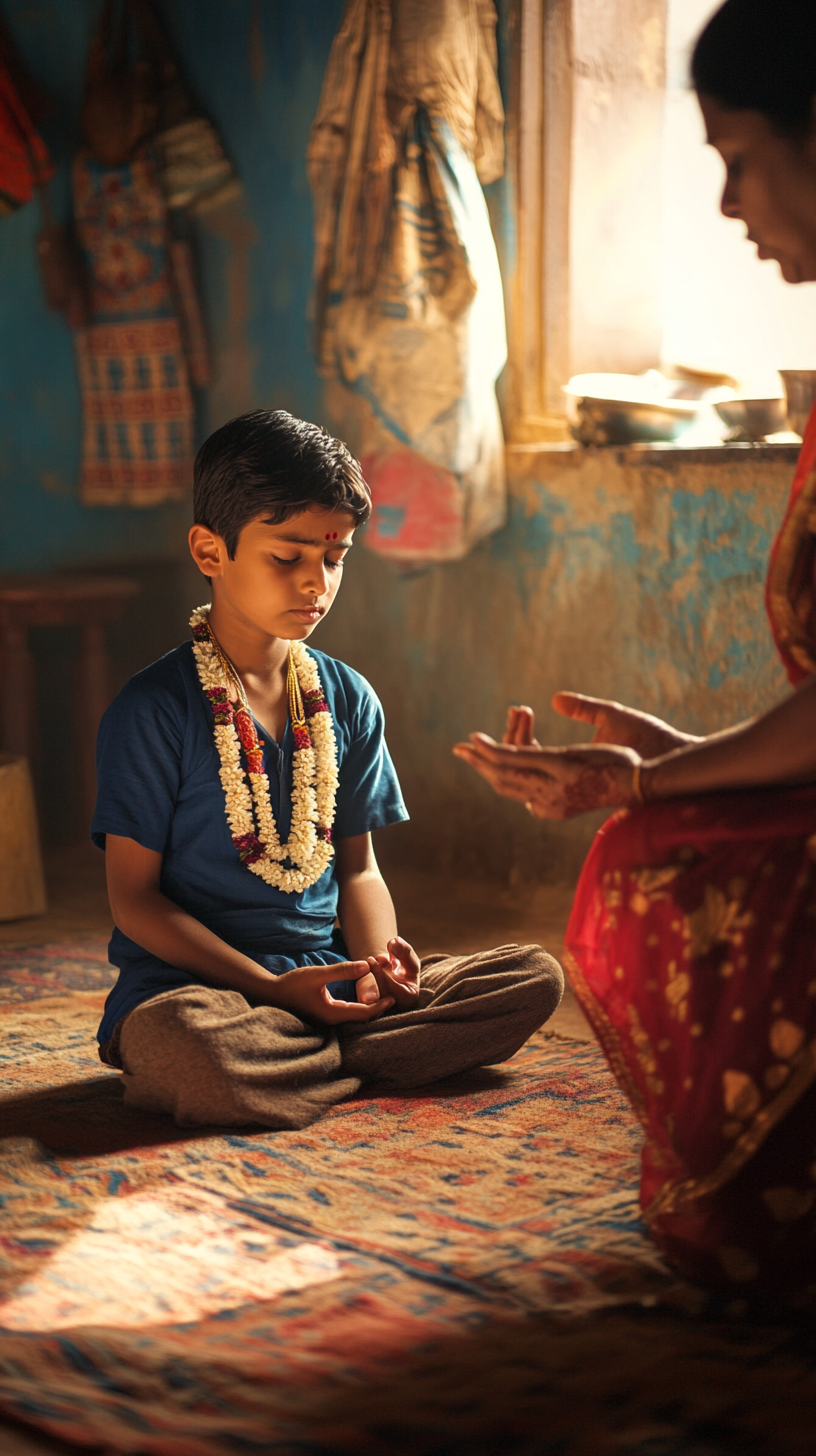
(286, 560)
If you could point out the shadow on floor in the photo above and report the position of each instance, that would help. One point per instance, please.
(88, 1118)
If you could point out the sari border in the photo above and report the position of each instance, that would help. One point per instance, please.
(792, 637)
(606, 1034)
(675, 1195)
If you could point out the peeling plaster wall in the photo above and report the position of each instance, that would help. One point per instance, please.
(630, 574)
(256, 67)
(626, 574)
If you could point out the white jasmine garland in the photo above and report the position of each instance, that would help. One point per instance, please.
(246, 791)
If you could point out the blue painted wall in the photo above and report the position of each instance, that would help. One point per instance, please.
(257, 69)
(617, 573)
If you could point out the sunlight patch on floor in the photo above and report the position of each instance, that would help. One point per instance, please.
(159, 1258)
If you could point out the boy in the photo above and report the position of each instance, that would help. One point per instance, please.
(240, 778)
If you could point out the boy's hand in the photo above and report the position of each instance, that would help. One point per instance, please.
(304, 993)
(395, 973)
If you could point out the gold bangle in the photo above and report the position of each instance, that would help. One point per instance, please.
(637, 791)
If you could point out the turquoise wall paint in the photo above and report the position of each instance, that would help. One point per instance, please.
(257, 69)
(634, 576)
(623, 574)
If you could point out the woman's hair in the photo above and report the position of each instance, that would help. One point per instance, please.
(268, 463)
(760, 55)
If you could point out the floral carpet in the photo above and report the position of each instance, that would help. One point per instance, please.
(459, 1270)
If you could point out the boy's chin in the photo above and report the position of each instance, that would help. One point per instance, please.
(298, 631)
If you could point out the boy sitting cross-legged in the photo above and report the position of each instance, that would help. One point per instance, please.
(239, 780)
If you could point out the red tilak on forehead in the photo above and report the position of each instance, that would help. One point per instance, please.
(331, 537)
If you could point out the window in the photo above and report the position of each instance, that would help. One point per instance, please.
(721, 308)
(623, 259)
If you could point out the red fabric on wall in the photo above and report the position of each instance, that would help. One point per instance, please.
(24, 159)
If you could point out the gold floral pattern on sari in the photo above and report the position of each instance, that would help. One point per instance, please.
(719, 920)
(645, 1055)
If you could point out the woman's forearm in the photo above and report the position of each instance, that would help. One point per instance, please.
(777, 747)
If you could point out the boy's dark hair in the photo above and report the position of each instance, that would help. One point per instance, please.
(760, 55)
(268, 463)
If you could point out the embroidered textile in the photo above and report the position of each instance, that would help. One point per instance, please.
(137, 407)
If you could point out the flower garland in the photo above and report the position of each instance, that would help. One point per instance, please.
(314, 771)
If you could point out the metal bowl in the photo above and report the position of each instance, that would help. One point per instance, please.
(615, 409)
(800, 388)
(752, 419)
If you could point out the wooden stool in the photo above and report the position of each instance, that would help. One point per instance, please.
(87, 602)
(22, 888)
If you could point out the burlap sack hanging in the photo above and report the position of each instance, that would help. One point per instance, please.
(409, 306)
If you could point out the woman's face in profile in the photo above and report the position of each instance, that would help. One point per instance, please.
(770, 184)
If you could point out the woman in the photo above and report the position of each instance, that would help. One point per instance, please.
(692, 941)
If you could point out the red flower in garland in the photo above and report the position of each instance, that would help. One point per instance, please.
(246, 730)
(249, 848)
(302, 737)
(221, 705)
(314, 702)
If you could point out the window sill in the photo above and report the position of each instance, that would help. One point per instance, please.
(666, 453)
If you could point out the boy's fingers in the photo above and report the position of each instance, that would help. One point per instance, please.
(339, 971)
(368, 990)
(354, 1011)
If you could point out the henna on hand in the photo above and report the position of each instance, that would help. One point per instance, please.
(555, 783)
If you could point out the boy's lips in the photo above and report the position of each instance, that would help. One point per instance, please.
(307, 614)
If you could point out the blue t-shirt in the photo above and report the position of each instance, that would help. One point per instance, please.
(158, 774)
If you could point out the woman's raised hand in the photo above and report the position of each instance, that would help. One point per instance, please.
(554, 783)
(520, 728)
(613, 723)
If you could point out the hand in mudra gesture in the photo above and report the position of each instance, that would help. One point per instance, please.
(614, 724)
(558, 783)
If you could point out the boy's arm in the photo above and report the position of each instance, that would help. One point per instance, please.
(369, 923)
(144, 914)
(365, 909)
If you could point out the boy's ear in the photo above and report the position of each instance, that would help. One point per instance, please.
(208, 550)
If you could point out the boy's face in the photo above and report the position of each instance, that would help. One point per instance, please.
(282, 579)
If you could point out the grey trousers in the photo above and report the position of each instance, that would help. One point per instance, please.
(208, 1058)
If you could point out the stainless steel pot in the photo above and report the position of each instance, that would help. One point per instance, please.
(800, 388)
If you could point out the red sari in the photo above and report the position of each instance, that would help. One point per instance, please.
(692, 948)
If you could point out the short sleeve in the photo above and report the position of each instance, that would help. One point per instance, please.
(368, 795)
(138, 763)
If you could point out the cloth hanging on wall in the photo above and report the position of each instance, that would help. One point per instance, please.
(409, 305)
(24, 160)
(138, 443)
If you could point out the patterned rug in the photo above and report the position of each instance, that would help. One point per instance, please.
(458, 1270)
